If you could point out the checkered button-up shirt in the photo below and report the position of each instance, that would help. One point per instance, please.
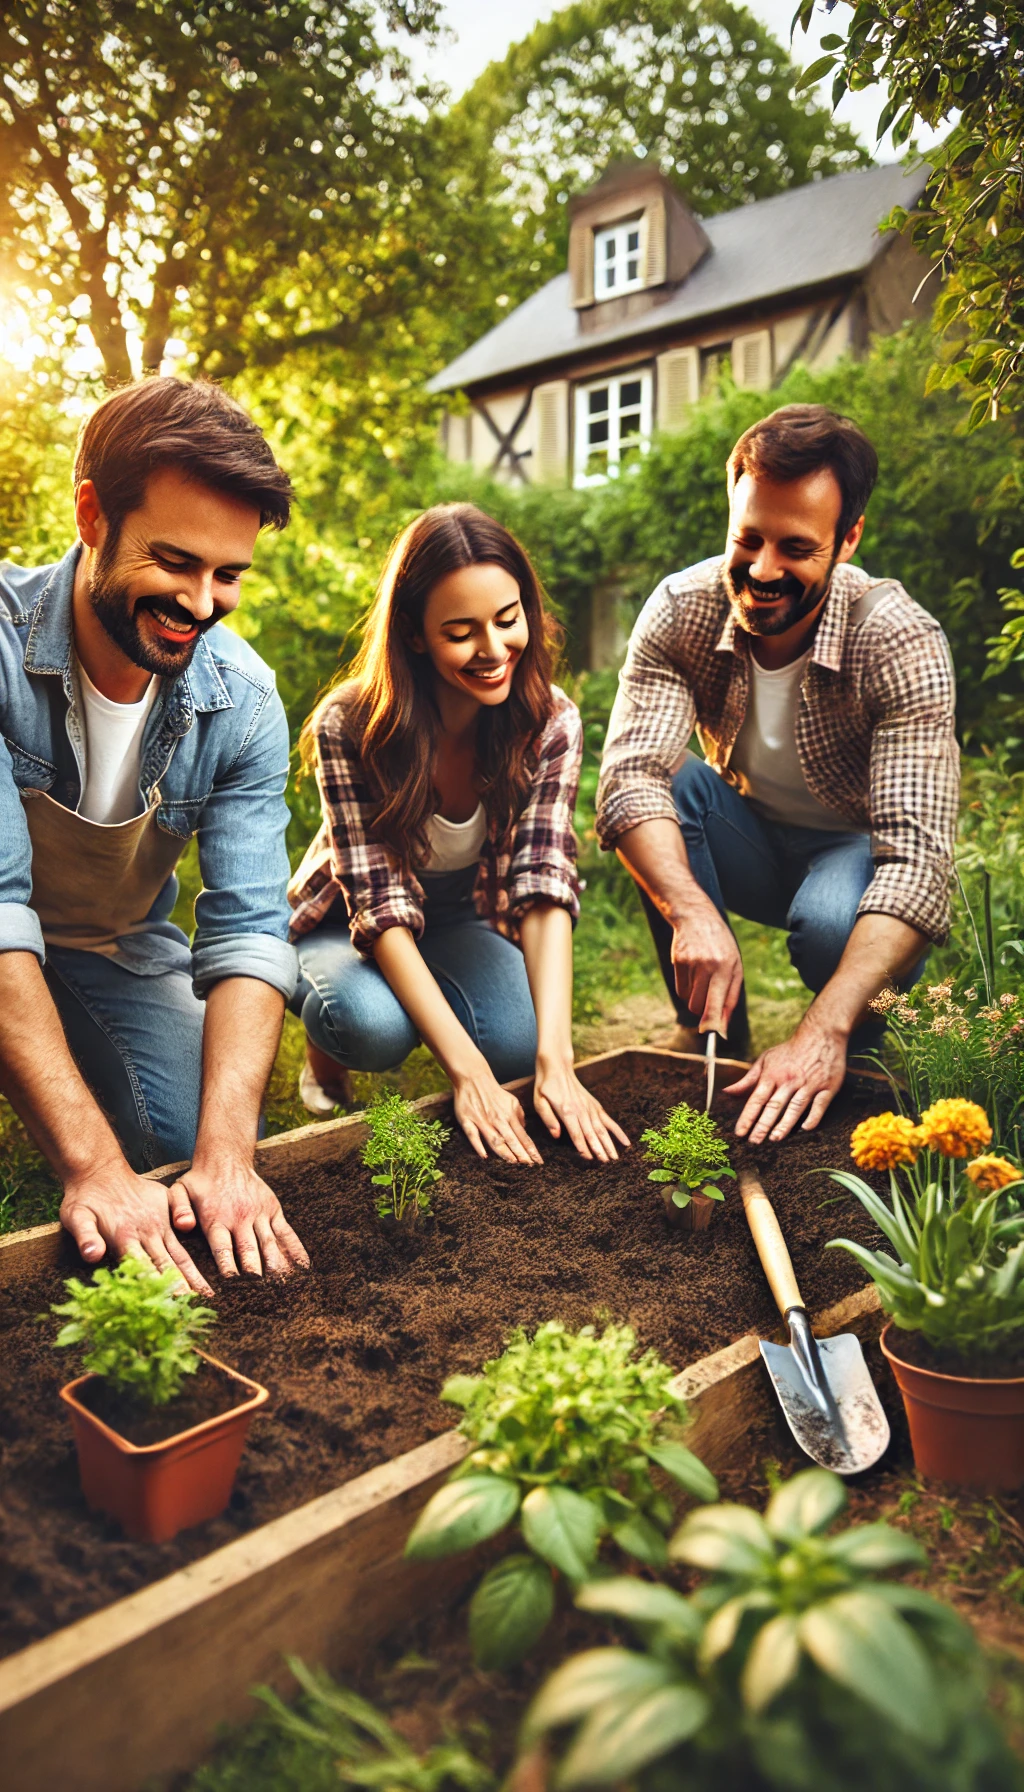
(874, 729)
(535, 863)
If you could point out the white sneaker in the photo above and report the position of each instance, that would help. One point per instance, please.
(314, 1099)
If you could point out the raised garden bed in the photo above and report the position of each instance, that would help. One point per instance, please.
(159, 1644)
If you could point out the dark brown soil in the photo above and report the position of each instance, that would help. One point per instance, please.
(354, 1352)
(911, 1348)
(205, 1395)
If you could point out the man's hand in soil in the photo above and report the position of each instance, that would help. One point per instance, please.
(790, 1080)
(241, 1216)
(109, 1210)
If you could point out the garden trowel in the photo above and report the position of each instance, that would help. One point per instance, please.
(827, 1394)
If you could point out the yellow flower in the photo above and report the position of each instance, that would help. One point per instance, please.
(884, 1141)
(989, 1173)
(955, 1127)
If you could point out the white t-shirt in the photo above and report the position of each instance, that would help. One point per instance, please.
(455, 844)
(766, 753)
(113, 752)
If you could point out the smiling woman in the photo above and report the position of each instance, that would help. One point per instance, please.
(438, 898)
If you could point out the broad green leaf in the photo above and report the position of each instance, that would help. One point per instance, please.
(590, 1679)
(459, 1389)
(860, 1642)
(629, 1732)
(662, 1176)
(682, 1197)
(804, 1505)
(684, 1467)
(640, 1602)
(563, 1527)
(510, 1609)
(874, 1547)
(724, 1539)
(723, 1625)
(816, 72)
(935, 1612)
(771, 1663)
(642, 1539)
(461, 1514)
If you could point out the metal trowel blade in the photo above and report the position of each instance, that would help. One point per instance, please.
(840, 1423)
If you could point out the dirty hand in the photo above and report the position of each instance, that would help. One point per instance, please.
(112, 1209)
(709, 970)
(802, 1074)
(492, 1119)
(560, 1099)
(241, 1217)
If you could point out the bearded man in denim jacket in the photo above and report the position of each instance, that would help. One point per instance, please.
(132, 722)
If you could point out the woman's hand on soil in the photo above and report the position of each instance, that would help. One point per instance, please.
(241, 1216)
(560, 1099)
(788, 1080)
(114, 1210)
(493, 1120)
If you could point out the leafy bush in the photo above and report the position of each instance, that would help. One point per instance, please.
(139, 1325)
(793, 1667)
(689, 1151)
(947, 1043)
(566, 1428)
(404, 1148)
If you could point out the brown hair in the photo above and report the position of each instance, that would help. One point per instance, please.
(801, 438)
(178, 423)
(389, 710)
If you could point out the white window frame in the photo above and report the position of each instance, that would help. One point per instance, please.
(612, 251)
(584, 416)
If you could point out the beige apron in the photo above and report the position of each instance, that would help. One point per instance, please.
(93, 882)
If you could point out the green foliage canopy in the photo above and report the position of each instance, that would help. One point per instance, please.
(139, 1326)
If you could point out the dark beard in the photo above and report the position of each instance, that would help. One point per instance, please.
(799, 600)
(120, 618)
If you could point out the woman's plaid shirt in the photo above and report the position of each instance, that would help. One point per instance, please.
(536, 864)
(874, 731)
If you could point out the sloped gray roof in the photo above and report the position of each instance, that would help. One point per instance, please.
(801, 238)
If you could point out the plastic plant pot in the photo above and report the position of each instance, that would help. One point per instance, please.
(156, 1490)
(696, 1216)
(966, 1430)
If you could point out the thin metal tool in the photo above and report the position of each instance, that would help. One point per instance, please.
(710, 1059)
(823, 1384)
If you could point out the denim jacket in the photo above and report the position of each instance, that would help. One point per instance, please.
(214, 758)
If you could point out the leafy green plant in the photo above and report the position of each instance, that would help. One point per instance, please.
(404, 1149)
(792, 1666)
(566, 1428)
(139, 1326)
(689, 1152)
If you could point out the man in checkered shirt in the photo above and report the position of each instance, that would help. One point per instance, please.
(826, 800)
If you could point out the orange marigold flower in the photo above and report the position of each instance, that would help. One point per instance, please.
(989, 1173)
(884, 1141)
(955, 1127)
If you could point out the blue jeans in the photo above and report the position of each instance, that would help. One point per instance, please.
(137, 1037)
(808, 880)
(350, 1012)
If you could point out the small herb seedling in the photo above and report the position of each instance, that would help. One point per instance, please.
(139, 1326)
(689, 1152)
(403, 1148)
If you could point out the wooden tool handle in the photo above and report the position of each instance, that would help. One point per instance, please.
(771, 1246)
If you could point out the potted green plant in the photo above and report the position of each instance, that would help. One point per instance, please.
(159, 1425)
(566, 1429)
(691, 1158)
(954, 1290)
(793, 1666)
(403, 1148)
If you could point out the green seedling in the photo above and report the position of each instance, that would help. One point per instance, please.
(403, 1148)
(139, 1327)
(689, 1152)
(566, 1430)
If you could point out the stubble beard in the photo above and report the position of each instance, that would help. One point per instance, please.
(799, 600)
(119, 617)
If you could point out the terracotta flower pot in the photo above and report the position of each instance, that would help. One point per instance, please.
(156, 1490)
(963, 1429)
(696, 1216)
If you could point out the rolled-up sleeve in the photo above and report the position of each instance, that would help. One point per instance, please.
(19, 924)
(914, 784)
(242, 911)
(651, 722)
(543, 866)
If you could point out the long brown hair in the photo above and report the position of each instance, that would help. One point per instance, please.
(389, 709)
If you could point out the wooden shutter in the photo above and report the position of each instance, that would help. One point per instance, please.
(549, 464)
(581, 265)
(752, 361)
(655, 244)
(678, 386)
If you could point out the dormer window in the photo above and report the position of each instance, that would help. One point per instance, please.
(619, 259)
